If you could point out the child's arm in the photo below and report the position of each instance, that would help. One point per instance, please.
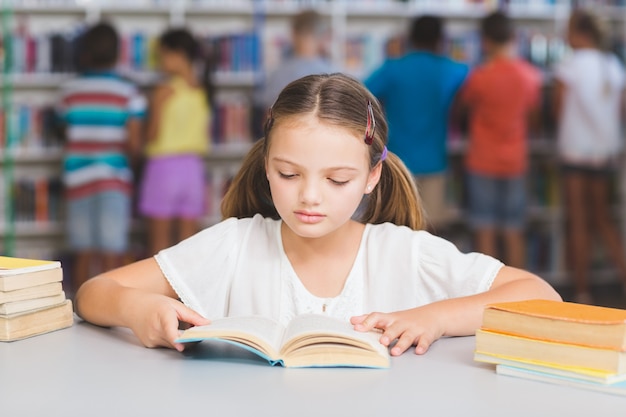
(461, 316)
(159, 97)
(139, 297)
(134, 127)
(557, 99)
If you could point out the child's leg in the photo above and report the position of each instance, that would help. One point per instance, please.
(576, 207)
(513, 219)
(192, 203)
(81, 237)
(186, 228)
(482, 205)
(432, 191)
(114, 216)
(160, 231)
(82, 270)
(486, 238)
(604, 223)
(158, 199)
(515, 251)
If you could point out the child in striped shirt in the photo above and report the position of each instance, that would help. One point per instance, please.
(102, 113)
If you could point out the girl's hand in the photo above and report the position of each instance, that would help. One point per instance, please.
(418, 327)
(158, 320)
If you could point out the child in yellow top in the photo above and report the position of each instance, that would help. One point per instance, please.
(173, 188)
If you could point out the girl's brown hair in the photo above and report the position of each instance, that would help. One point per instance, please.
(588, 24)
(341, 101)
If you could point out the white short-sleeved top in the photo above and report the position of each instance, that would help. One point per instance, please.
(238, 267)
(589, 130)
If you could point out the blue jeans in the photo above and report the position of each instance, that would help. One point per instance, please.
(99, 222)
(496, 202)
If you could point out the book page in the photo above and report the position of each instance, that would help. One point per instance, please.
(260, 333)
(316, 328)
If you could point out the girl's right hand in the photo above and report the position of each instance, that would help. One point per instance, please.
(157, 321)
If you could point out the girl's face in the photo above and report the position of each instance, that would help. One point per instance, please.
(318, 174)
(169, 60)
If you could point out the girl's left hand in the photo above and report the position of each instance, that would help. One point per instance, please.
(418, 327)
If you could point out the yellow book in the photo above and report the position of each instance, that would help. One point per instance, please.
(18, 273)
(560, 354)
(556, 321)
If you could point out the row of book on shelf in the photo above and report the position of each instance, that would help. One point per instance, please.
(56, 52)
(568, 344)
(36, 127)
(442, 4)
(32, 300)
(251, 51)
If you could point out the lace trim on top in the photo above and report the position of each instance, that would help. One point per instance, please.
(296, 299)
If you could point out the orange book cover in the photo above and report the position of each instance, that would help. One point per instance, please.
(556, 321)
(558, 310)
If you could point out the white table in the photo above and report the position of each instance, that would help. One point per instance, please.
(89, 371)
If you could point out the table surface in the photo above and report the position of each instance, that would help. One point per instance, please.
(91, 371)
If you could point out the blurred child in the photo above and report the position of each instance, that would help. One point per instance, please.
(588, 94)
(308, 55)
(173, 184)
(417, 91)
(501, 96)
(102, 113)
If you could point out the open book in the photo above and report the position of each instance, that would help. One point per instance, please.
(309, 340)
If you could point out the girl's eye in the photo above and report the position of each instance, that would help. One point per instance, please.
(338, 182)
(286, 176)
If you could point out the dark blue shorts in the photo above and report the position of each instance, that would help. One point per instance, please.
(496, 202)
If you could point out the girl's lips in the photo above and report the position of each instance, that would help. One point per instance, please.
(309, 217)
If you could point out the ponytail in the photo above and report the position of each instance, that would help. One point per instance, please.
(395, 199)
(249, 193)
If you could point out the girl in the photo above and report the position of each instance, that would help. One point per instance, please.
(588, 94)
(173, 182)
(290, 246)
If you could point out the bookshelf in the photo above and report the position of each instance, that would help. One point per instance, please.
(360, 30)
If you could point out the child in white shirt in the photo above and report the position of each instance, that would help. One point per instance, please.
(588, 94)
(292, 243)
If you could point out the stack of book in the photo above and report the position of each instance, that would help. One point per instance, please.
(561, 343)
(32, 301)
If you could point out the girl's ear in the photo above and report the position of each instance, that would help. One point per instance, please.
(373, 178)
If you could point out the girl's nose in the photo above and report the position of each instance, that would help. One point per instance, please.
(311, 193)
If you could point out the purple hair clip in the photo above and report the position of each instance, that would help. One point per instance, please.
(371, 124)
(383, 155)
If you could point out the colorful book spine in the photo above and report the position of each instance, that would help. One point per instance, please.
(231, 122)
(56, 51)
(34, 127)
(36, 201)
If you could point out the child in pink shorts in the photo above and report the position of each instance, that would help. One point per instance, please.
(172, 192)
